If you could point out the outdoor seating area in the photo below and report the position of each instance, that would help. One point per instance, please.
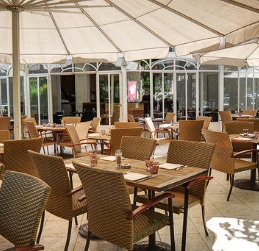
(199, 184)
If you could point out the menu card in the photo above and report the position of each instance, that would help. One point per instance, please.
(170, 166)
(134, 176)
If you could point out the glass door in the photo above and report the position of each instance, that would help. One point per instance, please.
(109, 89)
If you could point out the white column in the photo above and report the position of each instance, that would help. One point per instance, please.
(50, 104)
(123, 96)
(221, 88)
(16, 74)
(197, 95)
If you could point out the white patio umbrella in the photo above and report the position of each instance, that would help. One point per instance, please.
(235, 56)
(45, 31)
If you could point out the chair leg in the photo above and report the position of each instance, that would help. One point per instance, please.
(204, 220)
(227, 176)
(171, 221)
(76, 221)
(231, 177)
(44, 149)
(88, 240)
(41, 227)
(68, 235)
(135, 196)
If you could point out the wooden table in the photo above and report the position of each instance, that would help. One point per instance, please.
(252, 183)
(99, 138)
(235, 116)
(165, 180)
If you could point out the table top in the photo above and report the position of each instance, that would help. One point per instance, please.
(154, 119)
(164, 180)
(241, 116)
(99, 136)
(51, 128)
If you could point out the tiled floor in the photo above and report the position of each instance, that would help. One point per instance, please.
(233, 225)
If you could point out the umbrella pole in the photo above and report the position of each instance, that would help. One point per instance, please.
(16, 73)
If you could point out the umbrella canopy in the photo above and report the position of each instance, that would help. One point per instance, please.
(46, 31)
(235, 56)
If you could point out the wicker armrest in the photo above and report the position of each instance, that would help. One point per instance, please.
(81, 198)
(242, 152)
(30, 248)
(149, 204)
(199, 179)
(74, 191)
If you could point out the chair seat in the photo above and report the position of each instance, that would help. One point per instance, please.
(147, 223)
(78, 207)
(178, 202)
(242, 165)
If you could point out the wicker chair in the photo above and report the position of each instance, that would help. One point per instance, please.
(16, 157)
(71, 120)
(154, 132)
(190, 153)
(126, 124)
(95, 124)
(250, 112)
(225, 117)
(206, 123)
(62, 202)
(33, 134)
(190, 130)
(116, 136)
(82, 129)
(223, 159)
(256, 122)
(24, 125)
(114, 221)
(4, 135)
(237, 128)
(131, 118)
(22, 201)
(5, 123)
(169, 118)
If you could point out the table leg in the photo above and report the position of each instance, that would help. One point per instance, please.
(185, 218)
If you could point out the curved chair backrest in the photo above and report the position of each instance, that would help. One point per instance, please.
(16, 157)
(237, 127)
(221, 159)
(32, 130)
(30, 120)
(190, 130)
(95, 123)
(225, 116)
(71, 120)
(151, 127)
(82, 129)
(109, 190)
(52, 170)
(256, 122)
(4, 135)
(250, 112)
(5, 123)
(116, 135)
(206, 120)
(169, 117)
(191, 153)
(126, 124)
(22, 201)
(131, 118)
(139, 148)
(74, 138)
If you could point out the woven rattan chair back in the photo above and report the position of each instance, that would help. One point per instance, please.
(190, 130)
(137, 147)
(126, 124)
(16, 156)
(250, 112)
(117, 134)
(4, 135)
(30, 120)
(32, 130)
(225, 116)
(5, 123)
(74, 138)
(169, 117)
(82, 129)
(108, 205)
(51, 169)
(131, 118)
(195, 154)
(22, 201)
(71, 120)
(151, 127)
(95, 123)
(206, 120)
(221, 159)
(256, 122)
(237, 127)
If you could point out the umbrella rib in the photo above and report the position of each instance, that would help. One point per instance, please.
(241, 5)
(61, 37)
(98, 27)
(4, 3)
(186, 17)
(139, 23)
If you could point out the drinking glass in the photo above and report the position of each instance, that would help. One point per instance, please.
(154, 167)
(148, 161)
(93, 158)
(245, 132)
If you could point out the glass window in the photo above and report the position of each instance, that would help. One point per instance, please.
(157, 95)
(34, 98)
(180, 87)
(168, 93)
(230, 92)
(3, 98)
(43, 100)
(191, 96)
